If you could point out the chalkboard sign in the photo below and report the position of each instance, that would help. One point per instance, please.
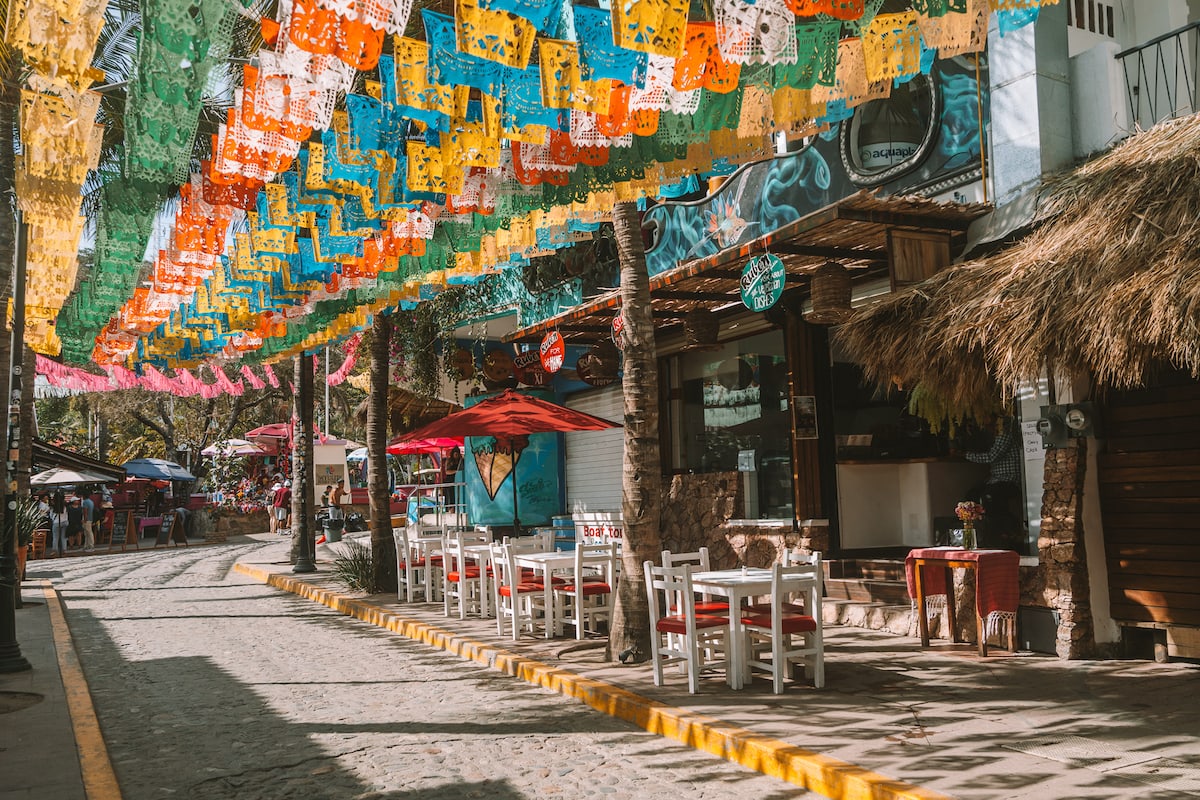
(166, 529)
(124, 531)
(171, 530)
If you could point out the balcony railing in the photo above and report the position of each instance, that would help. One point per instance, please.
(1160, 76)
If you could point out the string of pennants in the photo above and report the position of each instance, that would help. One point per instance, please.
(184, 383)
(507, 133)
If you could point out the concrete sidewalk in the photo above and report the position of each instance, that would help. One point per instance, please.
(893, 721)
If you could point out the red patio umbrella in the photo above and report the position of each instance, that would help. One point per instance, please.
(509, 418)
(400, 445)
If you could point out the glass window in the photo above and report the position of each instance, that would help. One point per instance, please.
(888, 137)
(730, 414)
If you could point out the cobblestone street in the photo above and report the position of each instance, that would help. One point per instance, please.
(209, 685)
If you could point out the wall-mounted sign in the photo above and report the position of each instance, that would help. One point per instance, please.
(762, 282)
(598, 366)
(528, 369)
(618, 330)
(553, 351)
(804, 417)
(497, 368)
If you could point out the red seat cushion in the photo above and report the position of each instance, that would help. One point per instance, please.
(708, 607)
(790, 623)
(539, 582)
(588, 588)
(468, 574)
(765, 608)
(522, 588)
(678, 624)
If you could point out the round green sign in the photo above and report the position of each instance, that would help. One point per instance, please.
(762, 282)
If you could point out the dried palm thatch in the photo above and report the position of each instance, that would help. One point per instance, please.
(1107, 285)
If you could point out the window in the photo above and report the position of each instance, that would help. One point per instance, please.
(889, 137)
(729, 413)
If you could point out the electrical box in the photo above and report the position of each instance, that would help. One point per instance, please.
(1059, 424)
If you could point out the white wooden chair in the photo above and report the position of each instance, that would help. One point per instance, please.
(414, 572)
(795, 603)
(589, 594)
(463, 582)
(682, 637)
(519, 598)
(775, 632)
(699, 562)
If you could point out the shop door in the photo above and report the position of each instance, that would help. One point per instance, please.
(595, 458)
(1150, 499)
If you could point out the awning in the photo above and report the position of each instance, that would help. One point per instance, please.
(46, 456)
(1107, 286)
(852, 231)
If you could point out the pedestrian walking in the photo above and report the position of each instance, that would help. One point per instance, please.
(75, 522)
(89, 517)
(281, 508)
(58, 523)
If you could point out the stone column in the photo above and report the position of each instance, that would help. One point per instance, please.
(1062, 557)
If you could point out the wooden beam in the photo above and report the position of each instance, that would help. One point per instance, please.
(902, 219)
(793, 248)
(712, 297)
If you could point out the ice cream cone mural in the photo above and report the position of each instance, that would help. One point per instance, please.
(496, 459)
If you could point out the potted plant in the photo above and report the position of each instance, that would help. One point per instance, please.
(27, 519)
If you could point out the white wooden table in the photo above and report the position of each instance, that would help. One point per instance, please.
(546, 564)
(738, 585)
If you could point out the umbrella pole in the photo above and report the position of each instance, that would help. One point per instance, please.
(516, 516)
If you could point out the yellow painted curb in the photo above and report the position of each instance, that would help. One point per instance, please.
(99, 780)
(827, 776)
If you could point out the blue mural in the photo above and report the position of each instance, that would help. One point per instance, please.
(492, 466)
(759, 198)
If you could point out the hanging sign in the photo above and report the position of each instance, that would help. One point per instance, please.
(528, 368)
(618, 330)
(762, 282)
(598, 366)
(553, 351)
(497, 368)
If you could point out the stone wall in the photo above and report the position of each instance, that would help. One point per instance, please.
(694, 509)
(703, 510)
(233, 524)
(1060, 581)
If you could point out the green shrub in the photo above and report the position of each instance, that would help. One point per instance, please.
(353, 566)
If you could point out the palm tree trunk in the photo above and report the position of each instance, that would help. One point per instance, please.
(302, 456)
(642, 481)
(383, 547)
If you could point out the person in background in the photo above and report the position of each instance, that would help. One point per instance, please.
(58, 523)
(89, 518)
(75, 521)
(43, 504)
(325, 496)
(338, 495)
(282, 508)
(451, 465)
(272, 496)
(1003, 482)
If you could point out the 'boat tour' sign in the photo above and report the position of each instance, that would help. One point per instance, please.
(762, 282)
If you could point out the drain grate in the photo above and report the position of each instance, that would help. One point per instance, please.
(1080, 752)
(1166, 773)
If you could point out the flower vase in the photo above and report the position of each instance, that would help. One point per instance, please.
(968, 536)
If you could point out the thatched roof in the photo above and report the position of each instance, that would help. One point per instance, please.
(1107, 284)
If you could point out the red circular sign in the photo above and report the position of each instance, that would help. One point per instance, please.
(618, 330)
(554, 351)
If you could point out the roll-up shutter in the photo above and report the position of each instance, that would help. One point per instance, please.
(594, 458)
